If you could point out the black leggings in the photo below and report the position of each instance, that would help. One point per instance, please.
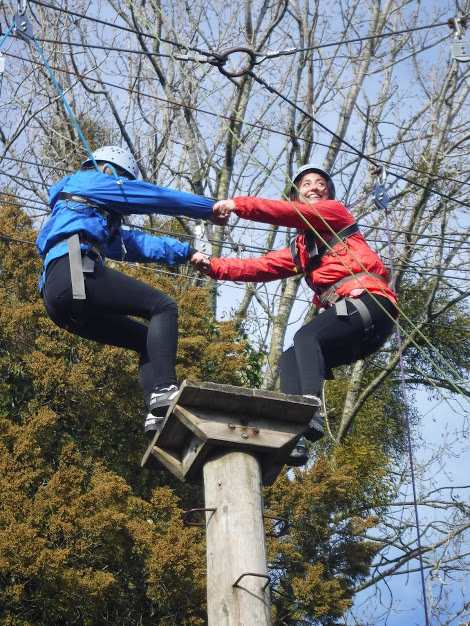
(328, 341)
(111, 297)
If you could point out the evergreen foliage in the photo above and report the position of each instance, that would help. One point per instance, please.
(88, 537)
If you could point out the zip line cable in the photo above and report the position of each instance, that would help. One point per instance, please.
(109, 48)
(124, 28)
(38, 165)
(265, 55)
(257, 126)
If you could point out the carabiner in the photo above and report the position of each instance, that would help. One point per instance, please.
(382, 175)
(22, 6)
(460, 45)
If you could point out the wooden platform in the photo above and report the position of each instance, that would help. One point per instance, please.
(206, 419)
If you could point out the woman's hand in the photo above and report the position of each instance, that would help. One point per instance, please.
(223, 208)
(201, 262)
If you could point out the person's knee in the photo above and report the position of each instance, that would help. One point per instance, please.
(305, 336)
(164, 304)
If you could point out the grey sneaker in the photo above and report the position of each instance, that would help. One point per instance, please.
(152, 424)
(299, 455)
(161, 398)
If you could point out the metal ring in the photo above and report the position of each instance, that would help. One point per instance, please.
(222, 59)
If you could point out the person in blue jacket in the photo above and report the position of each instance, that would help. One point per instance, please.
(88, 299)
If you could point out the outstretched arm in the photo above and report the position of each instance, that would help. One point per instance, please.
(273, 266)
(134, 196)
(319, 215)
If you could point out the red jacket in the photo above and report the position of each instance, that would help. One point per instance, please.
(280, 264)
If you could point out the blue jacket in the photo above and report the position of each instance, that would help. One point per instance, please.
(130, 197)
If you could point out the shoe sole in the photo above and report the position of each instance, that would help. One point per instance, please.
(151, 429)
(300, 462)
(160, 411)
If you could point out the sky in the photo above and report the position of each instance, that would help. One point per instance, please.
(441, 439)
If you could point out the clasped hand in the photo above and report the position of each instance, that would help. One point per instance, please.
(201, 262)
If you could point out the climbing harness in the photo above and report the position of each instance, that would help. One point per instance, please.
(460, 43)
(328, 297)
(113, 220)
(81, 262)
(84, 262)
(79, 266)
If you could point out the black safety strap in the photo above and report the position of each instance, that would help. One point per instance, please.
(342, 311)
(329, 298)
(73, 197)
(314, 252)
(114, 220)
(352, 229)
(78, 264)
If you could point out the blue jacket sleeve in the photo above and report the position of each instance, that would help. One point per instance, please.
(134, 196)
(141, 247)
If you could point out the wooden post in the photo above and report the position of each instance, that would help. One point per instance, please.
(236, 545)
(234, 440)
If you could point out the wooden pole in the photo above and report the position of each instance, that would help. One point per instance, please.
(232, 439)
(238, 591)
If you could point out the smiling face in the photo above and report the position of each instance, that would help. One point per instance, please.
(312, 188)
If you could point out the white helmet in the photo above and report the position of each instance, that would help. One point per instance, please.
(122, 157)
(314, 168)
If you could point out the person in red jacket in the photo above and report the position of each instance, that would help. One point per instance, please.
(348, 278)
